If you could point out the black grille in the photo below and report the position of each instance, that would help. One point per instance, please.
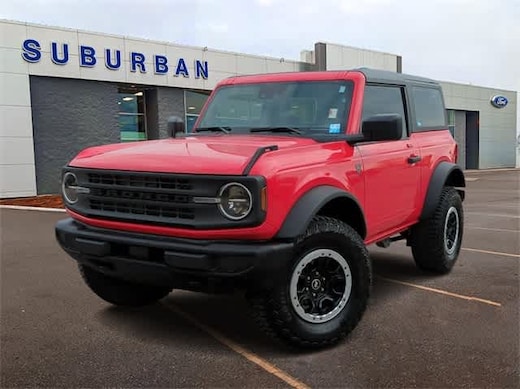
(140, 181)
(136, 208)
(159, 198)
(141, 197)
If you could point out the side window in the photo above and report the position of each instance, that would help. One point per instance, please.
(429, 108)
(384, 99)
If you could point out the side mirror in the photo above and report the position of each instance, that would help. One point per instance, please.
(383, 127)
(175, 125)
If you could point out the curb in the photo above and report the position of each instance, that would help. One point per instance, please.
(27, 208)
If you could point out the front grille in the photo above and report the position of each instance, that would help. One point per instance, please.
(140, 181)
(136, 208)
(158, 198)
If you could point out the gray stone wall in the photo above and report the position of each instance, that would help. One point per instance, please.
(68, 116)
(170, 102)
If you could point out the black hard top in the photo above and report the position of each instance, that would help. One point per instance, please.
(385, 76)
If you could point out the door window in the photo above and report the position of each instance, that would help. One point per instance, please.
(384, 100)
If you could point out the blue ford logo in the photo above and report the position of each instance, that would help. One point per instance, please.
(499, 101)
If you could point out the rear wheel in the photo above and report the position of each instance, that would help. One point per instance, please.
(436, 241)
(324, 292)
(120, 292)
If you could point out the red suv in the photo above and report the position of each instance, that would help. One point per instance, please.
(284, 181)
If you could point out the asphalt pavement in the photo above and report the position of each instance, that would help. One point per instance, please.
(455, 331)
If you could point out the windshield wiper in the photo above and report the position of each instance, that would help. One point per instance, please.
(290, 130)
(221, 129)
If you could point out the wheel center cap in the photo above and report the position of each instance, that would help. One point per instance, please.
(316, 284)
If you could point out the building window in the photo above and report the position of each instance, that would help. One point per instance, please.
(132, 120)
(193, 102)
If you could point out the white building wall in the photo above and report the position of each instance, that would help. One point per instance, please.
(17, 172)
(497, 127)
(343, 57)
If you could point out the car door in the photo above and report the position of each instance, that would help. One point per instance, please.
(390, 168)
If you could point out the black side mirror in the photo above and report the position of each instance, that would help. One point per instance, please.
(175, 126)
(386, 126)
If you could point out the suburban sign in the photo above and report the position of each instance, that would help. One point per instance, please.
(89, 57)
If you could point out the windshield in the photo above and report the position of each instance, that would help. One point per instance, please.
(308, 108)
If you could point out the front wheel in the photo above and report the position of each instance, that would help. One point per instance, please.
(436, 241)
(121, 292)
(324, 292)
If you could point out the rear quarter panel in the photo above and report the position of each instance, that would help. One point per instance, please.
(435, 147)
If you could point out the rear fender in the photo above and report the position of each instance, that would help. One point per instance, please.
(445, 174)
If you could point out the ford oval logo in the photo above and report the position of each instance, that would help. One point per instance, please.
(499, 101)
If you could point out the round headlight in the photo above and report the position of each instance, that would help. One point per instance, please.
(235, 201)
(69, 187)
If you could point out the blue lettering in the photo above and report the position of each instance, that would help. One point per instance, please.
(55, 54)
(108, 59)
(137, 59)
(31, 50)
(201, 69)
(161, 66)
(182, 68)
(87, 56)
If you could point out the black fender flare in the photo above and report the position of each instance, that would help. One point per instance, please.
(446, 173)
(304, 210)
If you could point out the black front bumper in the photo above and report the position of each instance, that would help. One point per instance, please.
(176, 262)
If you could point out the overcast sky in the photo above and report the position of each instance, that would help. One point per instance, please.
(467, 41)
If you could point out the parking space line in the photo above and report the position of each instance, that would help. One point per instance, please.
(440, 291)
(267, 366)
(492, 252)
(490, 229)
(492, 214)
(479, 206)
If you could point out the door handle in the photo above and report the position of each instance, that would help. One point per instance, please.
(414, 158)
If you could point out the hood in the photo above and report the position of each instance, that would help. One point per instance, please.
(215, 154)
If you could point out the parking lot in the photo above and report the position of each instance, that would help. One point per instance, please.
(453, 331)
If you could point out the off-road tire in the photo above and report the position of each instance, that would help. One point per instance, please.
(120, 292)
(428, 237)
(276, 314)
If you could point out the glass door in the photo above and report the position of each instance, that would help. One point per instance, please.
(132, 118)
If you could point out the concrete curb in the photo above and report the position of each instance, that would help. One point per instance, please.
(26, 208)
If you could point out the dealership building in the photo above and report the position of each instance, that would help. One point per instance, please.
(63, 90)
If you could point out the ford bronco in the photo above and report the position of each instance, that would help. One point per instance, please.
(276, 193)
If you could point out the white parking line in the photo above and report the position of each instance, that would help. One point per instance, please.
(491, 229)
(443, 292)
(493, 214)
(492, 252)
(479, 206)
(267, 366)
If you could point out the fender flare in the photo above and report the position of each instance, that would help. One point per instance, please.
(445, 173)
(304, 210)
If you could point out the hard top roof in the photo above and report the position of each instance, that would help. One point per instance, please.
(371, 75)
(374, 75)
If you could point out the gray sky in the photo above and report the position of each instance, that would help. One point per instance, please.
(467, 41)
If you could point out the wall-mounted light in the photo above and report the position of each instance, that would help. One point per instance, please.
(128, 98)
(138, 93)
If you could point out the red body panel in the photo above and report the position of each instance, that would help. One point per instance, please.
(390, 190)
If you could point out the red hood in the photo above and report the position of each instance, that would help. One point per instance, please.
(226, 154)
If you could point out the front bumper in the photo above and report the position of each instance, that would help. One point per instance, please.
(162, 260)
